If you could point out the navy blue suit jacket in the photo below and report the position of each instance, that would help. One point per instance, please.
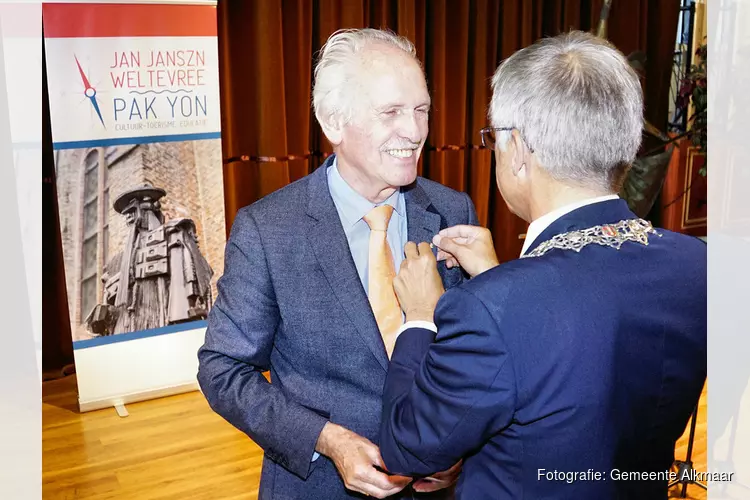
(291, 301)
(565, 362)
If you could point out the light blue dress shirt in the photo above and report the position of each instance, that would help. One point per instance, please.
(352, 207)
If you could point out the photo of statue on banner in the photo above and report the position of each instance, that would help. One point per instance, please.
(159, 278)
(143, 245)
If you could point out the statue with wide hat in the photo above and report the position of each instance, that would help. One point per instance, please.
(160, 277)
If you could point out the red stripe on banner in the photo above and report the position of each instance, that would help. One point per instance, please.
(83, 20)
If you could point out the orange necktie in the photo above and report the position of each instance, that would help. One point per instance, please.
(383, 299)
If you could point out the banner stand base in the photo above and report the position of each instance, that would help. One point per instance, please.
(119, 402)
(121, 411)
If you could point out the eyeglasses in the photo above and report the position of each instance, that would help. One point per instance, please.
(488, 137)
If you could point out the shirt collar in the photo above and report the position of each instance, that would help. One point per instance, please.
(537, 227)
(354, 206)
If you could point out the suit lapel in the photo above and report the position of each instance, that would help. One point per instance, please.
(422, 221)
(328, 241)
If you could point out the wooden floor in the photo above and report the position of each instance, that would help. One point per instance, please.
(171, 448)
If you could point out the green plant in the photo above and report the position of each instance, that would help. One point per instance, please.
(694, 89)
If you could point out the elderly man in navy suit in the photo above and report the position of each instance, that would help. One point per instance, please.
(307, 291)
(572, 371)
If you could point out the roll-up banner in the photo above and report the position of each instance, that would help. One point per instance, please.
(134, 108)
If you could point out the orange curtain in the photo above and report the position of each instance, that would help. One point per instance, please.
(268, 47)
(270, 137)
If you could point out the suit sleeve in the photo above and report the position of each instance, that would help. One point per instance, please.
(473, 220)
(237, 349)
(446, 396)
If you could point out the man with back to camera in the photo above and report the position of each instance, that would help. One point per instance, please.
(307, 291)
(553, 374)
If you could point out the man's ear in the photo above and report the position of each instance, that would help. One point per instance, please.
(518, 160)
(333, 127)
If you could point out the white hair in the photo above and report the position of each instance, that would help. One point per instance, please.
(332, 93)
(576, 102)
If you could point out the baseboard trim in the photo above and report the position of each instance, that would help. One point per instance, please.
(111, 402)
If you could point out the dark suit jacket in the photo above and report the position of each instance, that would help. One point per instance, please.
(291, 301)
(565, 362)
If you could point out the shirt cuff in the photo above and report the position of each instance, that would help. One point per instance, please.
(427, 325)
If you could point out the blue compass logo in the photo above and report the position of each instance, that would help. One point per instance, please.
(90, 92)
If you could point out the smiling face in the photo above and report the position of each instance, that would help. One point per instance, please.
(382, 142)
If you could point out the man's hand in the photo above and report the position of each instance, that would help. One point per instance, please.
(467, 246)
(438, 481)
(355, 458)
(418, 285)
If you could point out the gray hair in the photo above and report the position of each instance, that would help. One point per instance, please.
(337, 63)
(576, 102)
